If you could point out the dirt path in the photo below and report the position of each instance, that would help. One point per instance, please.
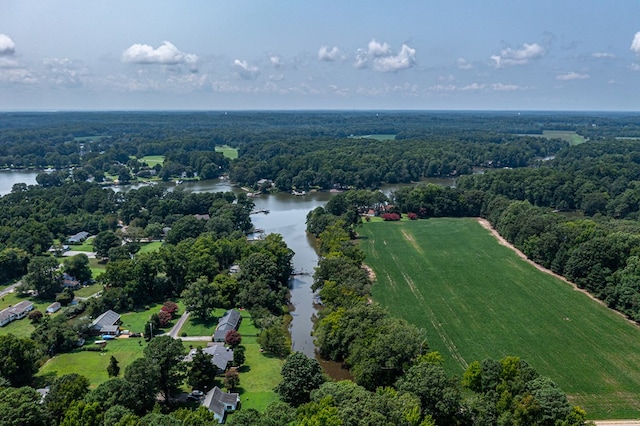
(617, 422)
(485, 224)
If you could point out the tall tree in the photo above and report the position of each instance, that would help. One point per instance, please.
(113, 369)
(202, 372)
(21, 407)
(199, 298)
(43, 276)
(19, 359)
(64, 390)
(167, 353)
(300, 376)
(78, 267)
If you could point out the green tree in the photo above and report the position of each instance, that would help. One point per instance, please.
(122, 393)
(231, 379)
(65, 390)
(104, 241)
(167, 353)
(21, 407)
(143, 375)
(78, 267)
(82, 413)
(43, 276)
(239, 356)
(439, 395)
(202, 372)
(300, 376)
(199, 298)
(275, 340)
(113, 369)
(20, 358)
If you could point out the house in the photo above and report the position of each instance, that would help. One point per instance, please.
(202, 216)
(6, 316)
(78, 238)
(70, 282)
(54, 307)
(18, 311)
(22, 309)
(221, 356)
(219, 403)
(229, 321)
(234, 269)
(106, 324)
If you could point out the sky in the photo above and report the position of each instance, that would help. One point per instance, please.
(329, 54)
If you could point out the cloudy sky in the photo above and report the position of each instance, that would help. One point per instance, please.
(329, 54)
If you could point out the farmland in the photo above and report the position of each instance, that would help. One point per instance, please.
(478, 299)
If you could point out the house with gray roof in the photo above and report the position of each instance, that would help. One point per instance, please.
(221, 357)
(17, 311)
(106, 324)
(78, 238)
(229, 321)
(219, 403)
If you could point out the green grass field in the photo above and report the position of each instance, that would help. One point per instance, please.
(567, 135)
(93, 365)
(379, 137)
(476, 298)
(227, 151)
(152, 160)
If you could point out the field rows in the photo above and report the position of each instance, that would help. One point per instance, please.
(477, 299)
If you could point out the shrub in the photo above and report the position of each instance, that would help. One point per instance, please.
(391, 217)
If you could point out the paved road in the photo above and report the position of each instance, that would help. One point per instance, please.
(178, 325)
(90, 254)
(9, 289)
(617, 422)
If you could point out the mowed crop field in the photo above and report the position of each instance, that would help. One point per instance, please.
(476, 299)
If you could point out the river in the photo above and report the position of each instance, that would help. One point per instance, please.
(287, 217)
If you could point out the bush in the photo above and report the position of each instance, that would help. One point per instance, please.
(391, 217)
(412, 216)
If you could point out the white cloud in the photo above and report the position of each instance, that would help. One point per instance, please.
(473, 86)
(166, 54)
(403, 60)
(572, 76)
(7, 46)
(634, 67)
(501, 87)
(376, 49)
(463, 64)
(276, 61)
(635, 44)
(509, 56)
(329, 54)
(65, 72)
(603, 55)
(245, 70)
(381, 58)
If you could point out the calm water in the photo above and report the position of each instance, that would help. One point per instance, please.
(8, 178)
(287, 217)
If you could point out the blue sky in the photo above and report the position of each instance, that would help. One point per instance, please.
(402, 54)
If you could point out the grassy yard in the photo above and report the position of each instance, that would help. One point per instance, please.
(258, 377)
(152, 160)
(476, 298)
(227, 151)
(93, 365)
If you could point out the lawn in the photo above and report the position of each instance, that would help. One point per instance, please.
(198, 327)
(152, 160)
(227, 151)
(93, 365)
(150, 247)
(379, 137)
(476, 298)
(258, 377)
(21, 327)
